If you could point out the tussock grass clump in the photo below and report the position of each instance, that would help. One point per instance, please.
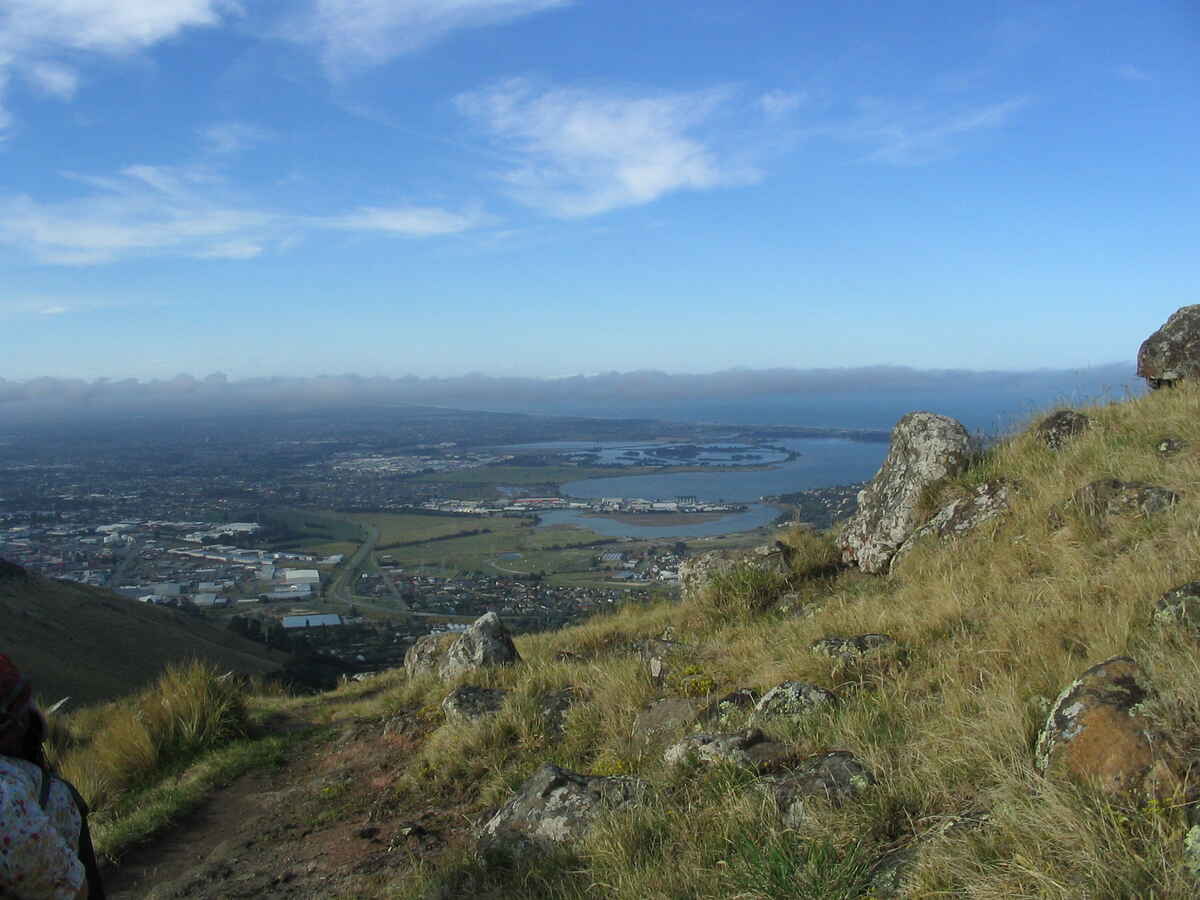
(108, 749)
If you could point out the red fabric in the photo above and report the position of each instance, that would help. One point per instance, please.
(15, 690)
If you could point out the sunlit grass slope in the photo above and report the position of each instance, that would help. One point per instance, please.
(990, 628)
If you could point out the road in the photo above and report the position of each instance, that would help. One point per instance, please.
(341, 588)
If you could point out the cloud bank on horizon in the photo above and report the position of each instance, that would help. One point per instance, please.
(778, 396)
(537, 185)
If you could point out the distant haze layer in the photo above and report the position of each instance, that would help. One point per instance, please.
(867, 397)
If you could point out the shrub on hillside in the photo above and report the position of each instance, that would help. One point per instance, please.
(104, 750)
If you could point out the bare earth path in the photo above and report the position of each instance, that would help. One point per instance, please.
(325, 824)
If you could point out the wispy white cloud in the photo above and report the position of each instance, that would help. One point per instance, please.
(582, 152)
(1132, 73)
(232, 250)
(186, 212)
(54, 79)
(354, 34)
(52, 311)
(234, 137)
(34, 32)
(408, 221)
(907, 134)
(779, 104)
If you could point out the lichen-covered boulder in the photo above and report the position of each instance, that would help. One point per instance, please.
(836, 778)
(469, 703)
(485, 644)
(988, 501)
(1057, 429)
(1173, 352)
(794, 698)
(1098, 732)
(425, 655)
(1109, 497)
(556, 806)
(696, 573)
(925, 449)
(1180, 606)
(850, 648)
(750, 748)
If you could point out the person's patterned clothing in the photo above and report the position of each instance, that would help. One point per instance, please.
(38, 848)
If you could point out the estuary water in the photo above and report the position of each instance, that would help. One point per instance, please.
(822, 462)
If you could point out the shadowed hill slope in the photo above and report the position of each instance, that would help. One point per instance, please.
(93, 645)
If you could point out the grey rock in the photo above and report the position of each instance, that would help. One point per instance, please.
(988, 501)
(427, 654)
(1173, 352)
(1109, 497)
(891, 872)
(794, 698)
(925, 449)
(836, 778)
(664, 718)
(720, 711)
(696, 573)
(554, 807)
(1180, 606)
(553, 708)
(1170, 445)
(656, 653)
(750, 748)
(1057, 429)
(469, 703)
(485, 644)
(853, 647)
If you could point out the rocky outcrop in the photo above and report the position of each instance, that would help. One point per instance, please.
(485, 644)
(988, 501)
(1109, 497)
(750, 748)
(851, 648)
(554, 807)
(1173, 352)
(469, 703)
(1057, 429)
(697, 572)
(793, 698)
(1180, 606)
(426, 655)
(835, 778)
(1097, 732)
(925, 449)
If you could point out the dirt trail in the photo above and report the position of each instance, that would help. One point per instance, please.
(325, 824)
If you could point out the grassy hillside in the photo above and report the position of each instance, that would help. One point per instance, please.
(93, 645)
(989, 628)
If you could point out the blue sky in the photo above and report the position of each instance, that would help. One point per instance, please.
(552, 187)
